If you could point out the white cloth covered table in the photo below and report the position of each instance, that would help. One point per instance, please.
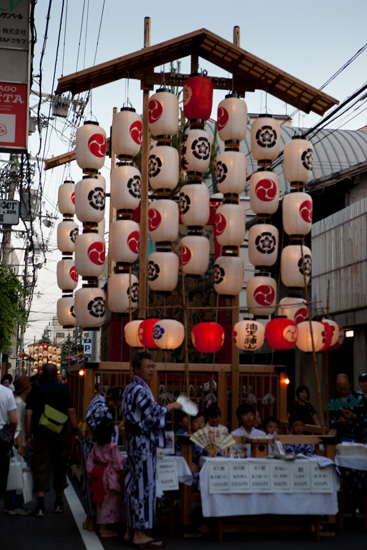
(352, 462)
(184, 473)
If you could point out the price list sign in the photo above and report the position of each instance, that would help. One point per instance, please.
(321, 479)
(239, 477)
(260, 477)
(167, 474)
(219, 477)
(280, 477)
(301, 477)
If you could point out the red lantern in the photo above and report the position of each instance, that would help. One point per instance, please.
(207, 337)
(145, 333)
(281, 333)
(340, 340)
(197, 98)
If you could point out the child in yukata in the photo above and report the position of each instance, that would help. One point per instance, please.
(105, 469)
(297, 426)
(213, 416)
(271, 426)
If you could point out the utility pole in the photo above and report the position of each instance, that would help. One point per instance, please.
(11, 192)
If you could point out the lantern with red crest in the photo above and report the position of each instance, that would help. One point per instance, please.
(230, 224)
(67, 276)
(328, 336)
(194, 254)
(90, 307)
(131, 332)
(90, 146)
(125, 187)
(293, 308)
(90, 254)
(232, 119)
(163, 112)
(197, 98)
(265, 138)
(281, 333)
(264, 192)
(248, 335)
(263, 239)
(127, 130)
(261, 294)
(66, 198)
(163, 217)
(168, 334)
(334, 331)
(123, 292)
(340, 340)
(207, 337)
(297, 213)
(305, 337)
(145, 333)
(124, 241)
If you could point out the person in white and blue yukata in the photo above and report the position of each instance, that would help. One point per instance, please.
(144, 424)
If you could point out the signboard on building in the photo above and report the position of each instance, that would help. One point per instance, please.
(87, 347)
(9, 212)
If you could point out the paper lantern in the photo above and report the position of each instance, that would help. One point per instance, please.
(264, 192)
(146, 333)
(90, 307)
(340, 340)
(31, 350)
(261, 294)
(90, 255)
(194, 205)
(66, 198)
(334, 330)
(125, 187)
(293, 308)
(67, 276)
(265, 138)
(230, 224)
(163, 112)
(292, 267)
(216, 200)
(90, 198)
(263, 243)
(207, 337)
(297, 213)
(231, 171)
(168, 334)
(90, 146)
(195, 151)
(228, 275)
(124, 241)
(67, 232)
(194, 254)
(248, 335)
(281, 333)
(122, 292)
(304, 340)
(163, 215)
(298, 159)
(66, 312)
(127, 131)
(197, 98)
(163, 271)
(131, 332)
(163, 167)
(232, 119)
(329, 336)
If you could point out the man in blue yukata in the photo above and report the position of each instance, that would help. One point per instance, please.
(144, 424)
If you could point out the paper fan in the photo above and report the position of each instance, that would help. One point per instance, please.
(210, 436)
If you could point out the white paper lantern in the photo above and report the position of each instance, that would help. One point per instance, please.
(163, 216)
(122, 292)
(31, 350)
(163, 271)
(168, 334)
(124, 241)
(263, 244)
(195, 151)
(264, 192)
(194, 254)
(125, 187)
(90, 198)
(232, 119)
(231, 172)
(66, 198)
(127, 131)
(90, 146)
(265, 138)
(163, 166)
(297, 213)
(335, 330)
(67, 276)
(90, 255)
(293, 308)
(291, 266)
(248, 335)
(67, 232)
(261, 294)
(163, 112)
(298, 160)
(66, 312)
(228, 275)
(230, 224)
(131, 332)
(194, 205)
(304, 340)
(216, 200)
(90, 307)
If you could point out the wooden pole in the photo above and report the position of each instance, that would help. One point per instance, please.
(112, 209)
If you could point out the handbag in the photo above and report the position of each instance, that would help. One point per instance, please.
(52, 420)
(6, 438)
(15, 475)
(27, 484)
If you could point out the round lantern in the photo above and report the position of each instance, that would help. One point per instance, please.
(230, 224)
(122, 292)
(265, 138)
(248, 335)
(66, 312)
(124, 241)
(194, 205)
(229, 272)
(125, 187)
(293, 308)
(231, 170)
(281, 333)
(334, 330)
(146, 333)
(328, 337)
(163, 217)
(90, 146)
(131, 331)
(304, 340)
(163, 166)
(263, 241)
(168, 334)
(90, 255)
(340, 340)
(195, 151)
(163, 112)
(298, 159)
(232, 119)
(297, 213)
(127, 130)
(207, 337)
(216, 200)
(31, 350)
(197, 98)
(90, 198)
(264, 192)
(261, 294)
(67, 276)
(163, 271)
(292, 267)
(67, 232)
(90, 307)
(194, 254)
(66, 198)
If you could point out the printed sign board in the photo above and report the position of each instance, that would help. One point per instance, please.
(9, 212)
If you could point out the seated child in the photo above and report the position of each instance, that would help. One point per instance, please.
(246, 416)
(198, 422)
(271, 426)
(297, 426)
(182, 422)
(213, 415)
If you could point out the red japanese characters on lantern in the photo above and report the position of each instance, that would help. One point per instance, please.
(207, 337)
(248, 335)
(197, 98)
(145, 333)
(281, 333)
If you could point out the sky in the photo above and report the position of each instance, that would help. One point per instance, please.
(310, 41)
